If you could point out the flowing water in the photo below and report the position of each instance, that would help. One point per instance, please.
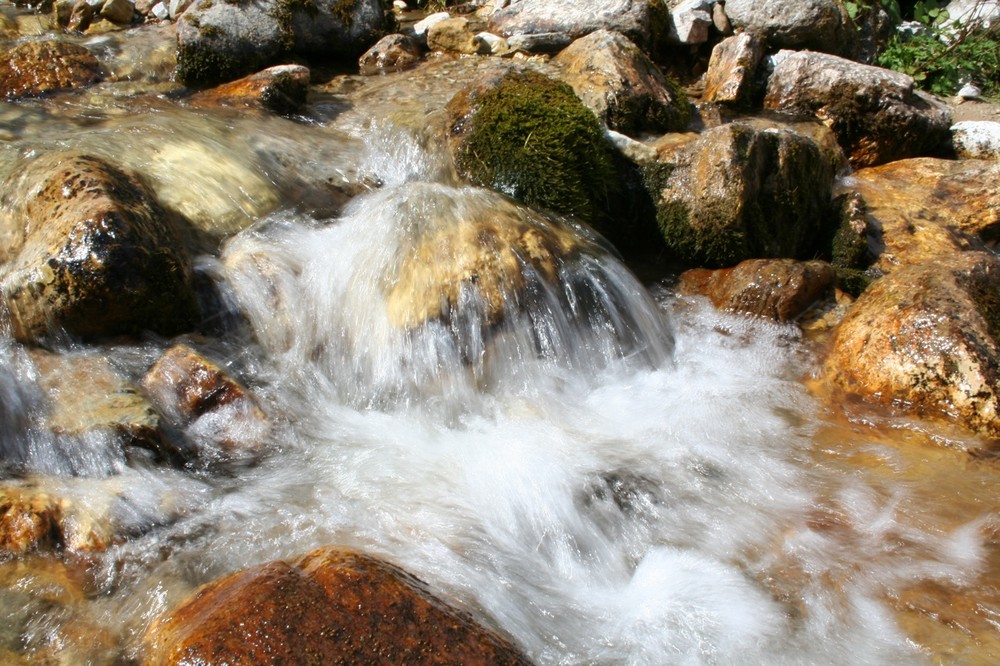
(609, 475)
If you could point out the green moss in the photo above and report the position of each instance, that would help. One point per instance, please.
(713, 245)
(284, 13)
(852, 281)
(531, 138)
(344, 11)
(204, 67)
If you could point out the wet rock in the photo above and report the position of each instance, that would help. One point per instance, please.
(330, 606)
(974, 139)
(876, 113)
(34, 68)
(32, 519)
(923, 339)
(779, 289)
(456, 35)
(187, 387)
(820, 25)
(642, 21)
(741, 193)
(493, 252)
(732, 71)
(81, 15)
(89, 251)
(111, 405)
(392, 52)
(620, 83)
(921, 209)
(530, 137)
(282, 89)
(221, 41)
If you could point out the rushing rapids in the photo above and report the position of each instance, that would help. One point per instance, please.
(603, 471)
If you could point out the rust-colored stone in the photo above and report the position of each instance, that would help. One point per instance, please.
(35, 68)
(282, 89)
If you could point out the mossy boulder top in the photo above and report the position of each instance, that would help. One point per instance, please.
(220, 41)
(527, 135)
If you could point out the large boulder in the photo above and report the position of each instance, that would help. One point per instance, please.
(876, 113)
(741, 193)
(527, 135)
(645, 22)
(35, 68)
(88, 250)
(620, 83)
(221, 41)
(924, 339)
(820, 25)
(331, 606)
(925, 208)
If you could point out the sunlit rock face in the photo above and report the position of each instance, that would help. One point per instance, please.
(330, 606)
(876, 113)
(821, 25)
(34, 68)
(921, 209)
(89, 251)
(924, 339)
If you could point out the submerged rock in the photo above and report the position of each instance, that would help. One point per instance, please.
(221, 41)
(89, 251)
(876, 113)
(740, 193)
(35, 68)
(924, 339)
(779, 289)
(331, 606)
(620, 83)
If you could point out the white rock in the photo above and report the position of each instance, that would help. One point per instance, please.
(690, 26)
(964, 12)
(970, 91)
(177, 7)
(421, 27)
(490, 43)
(976, 139)
(160, 11)
(399, 5)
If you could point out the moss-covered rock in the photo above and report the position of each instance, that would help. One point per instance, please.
(528, 136)
(741, 193)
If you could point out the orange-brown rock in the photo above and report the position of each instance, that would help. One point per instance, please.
(779, 289)
(34, 68)
(282, 89)
(390, 53)
(924, 339)
(732, 70)
(331, 606)
(33, 519)
(924, 208)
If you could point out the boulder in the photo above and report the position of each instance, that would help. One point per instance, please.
(392, 52)
(642, 21)
(527, 135)
(189, 390)
(820, 25)
(732, 71)
(691, 20)
(34, 68)
(620, 83)
(921, 209)
(89, 251)
(976, 139)
(778, 289)
(454, 34)
(924, 339)
(741, 193)
(282, 89)
(876, 113)
(221, 41)
(331, 606)
(118, 11)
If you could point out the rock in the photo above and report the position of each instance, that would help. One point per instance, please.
(81, 15)
(540, 42)
(493, 251)
(976, 139)
(457, 35)
(820, 25)
(741, 193)
(921, 209)
(779, 289)
(490, 44)
(34, 68)
(619, 83)
(642, 21)
(187, 387)
(720, 20)
(528, 136)
(923, 339)
(690, 21)
(282, 89)
(392, 52)
(732, 71)
(176, 8)
(221, 41)
(331, 606)
(118, 11)
(89, 251)
(32, 519)
(876, 113)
